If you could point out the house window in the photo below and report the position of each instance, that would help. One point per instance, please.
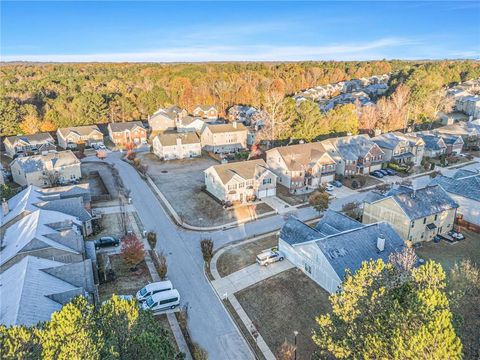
(307, 268)
(267, 181)
(424, 220)
(241, 185)
(413, 224)
(436, 217)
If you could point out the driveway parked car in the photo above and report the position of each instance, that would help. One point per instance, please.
(456, 235)
(106, 241)
(377, 174)
(384, 172)
(329, 187)
(391, 172)
(269, 257)
(336, 183)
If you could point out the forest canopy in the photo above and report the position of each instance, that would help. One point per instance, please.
(43, 97)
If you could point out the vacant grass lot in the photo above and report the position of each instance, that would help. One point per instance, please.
(282, 304)
(448, 254)
(127, 282)
(181, 182)
(238, 257)
(284, 194)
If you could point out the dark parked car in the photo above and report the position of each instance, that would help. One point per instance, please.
(384, 172)
(336, 183)
(106, 241)
(391, 172)
(377, 174)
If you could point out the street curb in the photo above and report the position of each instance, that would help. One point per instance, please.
(166, 204)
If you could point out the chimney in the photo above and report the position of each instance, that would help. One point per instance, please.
(5, 209)
(234, 124)
(381, 242)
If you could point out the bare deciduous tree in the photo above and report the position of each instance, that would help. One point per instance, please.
(52, 178)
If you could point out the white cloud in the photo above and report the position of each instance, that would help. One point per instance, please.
(376, 49)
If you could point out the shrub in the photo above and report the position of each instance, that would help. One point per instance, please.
(207, 250)
(355, 184)
(152, 239)
(160, 262)
(132, 251)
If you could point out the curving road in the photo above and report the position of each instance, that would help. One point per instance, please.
(209, 323)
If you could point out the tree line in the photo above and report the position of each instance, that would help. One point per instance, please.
(43, 97)
(116, 330)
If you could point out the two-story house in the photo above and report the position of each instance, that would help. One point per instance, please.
(454, 144)
(224, 138)
(209, 112)
(402, 148)
(416, 214)
(166, 119)
(354, 155)
(302, 167)
(240, 181)
(468, 130)
(434, 145)
(168, 146)
(127, 132)
(190, 124)
(26, 144)
(42, 170)
(69, 138)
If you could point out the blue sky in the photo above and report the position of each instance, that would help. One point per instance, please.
(238, 31)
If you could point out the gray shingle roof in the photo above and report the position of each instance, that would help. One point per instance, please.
(33, 139)
(38, 162)
(352, 147)
(468, 187)
(348, 249)
(421, 202)
(432, 142)
(333, 222)
(122, 126)
(295, 231)
(34, 288)
(345, 242)
(71, 206)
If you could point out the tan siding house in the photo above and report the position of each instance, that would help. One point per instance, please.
(28, 143)
(89, 135)
(302, 167)
(33, 170)
(168, 146)
(240, 181)
(417, 215)
(224, 138)
(206, 112)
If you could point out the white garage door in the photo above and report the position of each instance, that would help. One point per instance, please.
(262, 193)
(271, 192)
(328, 178)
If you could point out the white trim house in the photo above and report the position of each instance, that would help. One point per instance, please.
(240, 181)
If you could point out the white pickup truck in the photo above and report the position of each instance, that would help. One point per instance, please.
(268, 257)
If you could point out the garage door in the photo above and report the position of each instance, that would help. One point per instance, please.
(328, 178)
(262, 193)
(271, 192)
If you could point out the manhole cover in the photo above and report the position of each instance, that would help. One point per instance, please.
(164, 171)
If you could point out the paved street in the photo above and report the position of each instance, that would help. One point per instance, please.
(210, 324)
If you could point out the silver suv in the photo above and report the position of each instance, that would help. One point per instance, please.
(269, 257)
